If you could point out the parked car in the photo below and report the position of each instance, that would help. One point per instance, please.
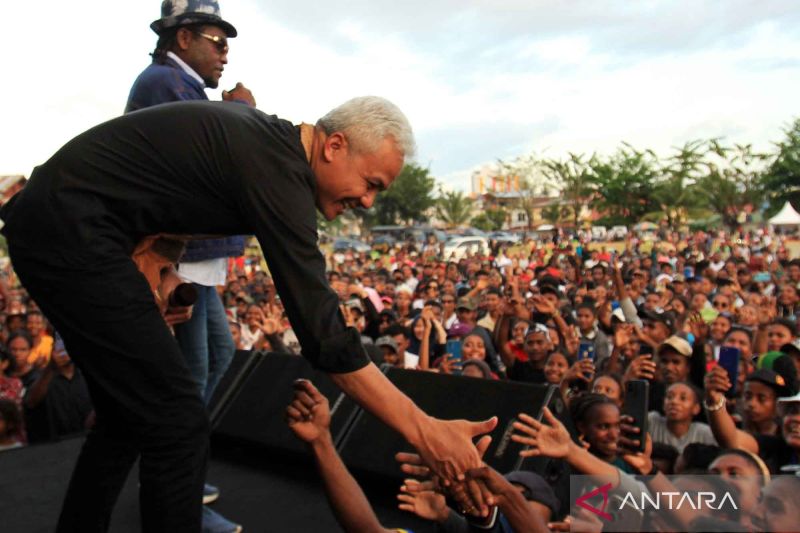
(504, 237)
(343, 245)
(383, 243)
(617, 233)
(599, 233)
(459, 247)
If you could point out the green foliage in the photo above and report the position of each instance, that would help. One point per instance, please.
(625, 183)
(573, 176)
(407, 200)
(490, 220)
(732, 182)
(781, 181)
(453, 207)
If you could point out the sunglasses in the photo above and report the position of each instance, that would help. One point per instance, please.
(220, 43)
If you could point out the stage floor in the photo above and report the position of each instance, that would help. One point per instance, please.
(262, 491)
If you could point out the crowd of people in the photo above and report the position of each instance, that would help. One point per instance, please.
(587, 319)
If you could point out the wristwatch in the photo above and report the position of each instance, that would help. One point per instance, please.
(716, 407)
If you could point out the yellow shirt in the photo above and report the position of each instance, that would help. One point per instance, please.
(42, 351)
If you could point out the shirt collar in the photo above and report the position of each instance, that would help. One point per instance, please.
(189, 70)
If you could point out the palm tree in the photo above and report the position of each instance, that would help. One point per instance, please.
(453, 208)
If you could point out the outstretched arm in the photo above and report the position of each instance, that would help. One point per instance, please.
(309, 417)
(445, 445)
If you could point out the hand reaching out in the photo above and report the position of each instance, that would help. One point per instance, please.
(309, 414)
(550, 439)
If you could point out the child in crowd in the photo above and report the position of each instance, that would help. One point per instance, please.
(675, 427)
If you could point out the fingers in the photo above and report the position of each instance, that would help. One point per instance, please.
(309, 389)
(550, 418)
(416, 471)
(479, 495)
(410, 458)
(293, 415)
(483, 444)
(305, 412)
(479, 428)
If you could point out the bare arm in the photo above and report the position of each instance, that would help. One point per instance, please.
(720, 421)
(446, 446)
(309, 417)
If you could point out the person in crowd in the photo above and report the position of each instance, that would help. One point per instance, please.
(589, 332)
(676, 427)
(189, 56)
(57, 403)
(779, 506)
(610, 385)
(555, 367)
(10, 386)
(476, 368)
(20, 344)
(748, 473)
(10, 425)
(537, 346)
(42, 341)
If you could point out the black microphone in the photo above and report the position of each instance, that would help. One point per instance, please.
(183, 295)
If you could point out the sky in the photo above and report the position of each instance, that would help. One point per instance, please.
(480, 80)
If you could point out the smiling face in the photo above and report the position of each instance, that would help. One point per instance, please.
(347, 178)
(472, 347)
(601, 430)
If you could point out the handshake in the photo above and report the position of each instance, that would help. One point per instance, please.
(478, 494)
(155, 257)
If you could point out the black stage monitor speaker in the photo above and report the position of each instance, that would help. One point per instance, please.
(257, 413)
(370, 446)
(242, 364)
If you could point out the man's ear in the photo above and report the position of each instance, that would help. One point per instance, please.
(335, 145)
(695, 409)
(183, 38)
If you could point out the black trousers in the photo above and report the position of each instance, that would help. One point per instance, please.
(146, 402)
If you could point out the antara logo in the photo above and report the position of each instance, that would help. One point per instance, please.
(660, 500)
(696, 501)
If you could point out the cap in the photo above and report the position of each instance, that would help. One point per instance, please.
(772, 379)
(183, 12)
(459, 330)
(792, 348)
(386, 340)
(679, 344)
(536, 489)
(667, 318)
(618, 314)
(466, 302)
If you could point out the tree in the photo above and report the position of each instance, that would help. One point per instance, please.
(573, 177)
(624, 183)
(781, 181)
(490, 220)
(673, 193)
(407, 200)
(733, 183)
(453, 208)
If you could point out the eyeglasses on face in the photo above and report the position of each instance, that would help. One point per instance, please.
(220, 43)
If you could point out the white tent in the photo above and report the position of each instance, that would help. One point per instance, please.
(787, 216)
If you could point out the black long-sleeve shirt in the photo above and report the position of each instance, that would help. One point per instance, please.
(193, 168)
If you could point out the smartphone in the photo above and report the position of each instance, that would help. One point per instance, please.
(637, 398)
(688, 272)
(586, 351)
(729, 360)
(453, 347)
(645, 349)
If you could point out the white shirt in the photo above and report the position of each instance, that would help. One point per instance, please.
(210, 272)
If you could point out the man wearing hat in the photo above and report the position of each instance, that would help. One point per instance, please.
(190, 55)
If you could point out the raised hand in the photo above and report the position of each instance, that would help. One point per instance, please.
(716, 382)
(550, 439)
(642, 367)
(309, 414)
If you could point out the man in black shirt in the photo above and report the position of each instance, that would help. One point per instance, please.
(200, 168)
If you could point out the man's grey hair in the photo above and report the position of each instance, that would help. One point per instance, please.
(366, 121)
